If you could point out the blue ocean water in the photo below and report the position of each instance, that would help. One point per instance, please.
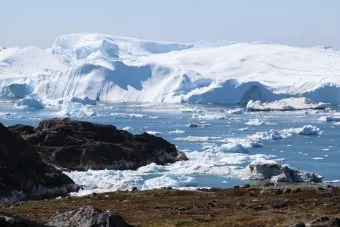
(313, 153)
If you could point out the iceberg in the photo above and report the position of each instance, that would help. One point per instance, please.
(270, 170)
(29, 103)
(285, 104)
(105, 68)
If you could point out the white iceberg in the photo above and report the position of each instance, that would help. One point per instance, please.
(270, 170)
(107, 68)
(306, 130)
(285, 104)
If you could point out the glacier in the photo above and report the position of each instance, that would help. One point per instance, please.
(92, 68)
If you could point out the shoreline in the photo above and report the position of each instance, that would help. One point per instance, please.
(264, 205)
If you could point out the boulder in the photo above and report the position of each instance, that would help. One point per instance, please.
(80, 145)
(325, 222)
(7, 220)
(23, 174)
(269, 170)
(87, 216)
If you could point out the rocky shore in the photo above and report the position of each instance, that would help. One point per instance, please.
(79, 145)
(265, 205)
(31, 159)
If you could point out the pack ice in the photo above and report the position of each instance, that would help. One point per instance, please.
(96, 67)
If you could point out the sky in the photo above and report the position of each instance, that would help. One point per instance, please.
(297, 23)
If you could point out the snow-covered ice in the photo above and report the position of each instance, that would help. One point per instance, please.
(107, 68)
(285, 104)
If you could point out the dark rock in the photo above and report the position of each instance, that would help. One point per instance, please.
(134, 189)
(245, 186)
(300, 224)
(255, 207)
(325, 222)
(268, 184)
(80, 145)
(296, 190)
(7, 220)
(287, 190)
(279, 204)
(87, 216)
(23, 174)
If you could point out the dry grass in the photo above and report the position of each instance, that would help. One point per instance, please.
(225, 207)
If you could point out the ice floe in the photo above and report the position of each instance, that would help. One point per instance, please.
(177, 131)
(75, 109)
(306, 130)
(285, 104)
(170, 181)
(155, 133)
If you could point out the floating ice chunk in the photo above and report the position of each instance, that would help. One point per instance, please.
(151, 168)
(233, 148)
(127, 115)
(268, 135)
(187, 109)
(192, 125)
(170, 181)
(318, 158)
(195, 125)
(104, 180)
(255, 122)
(285, 104)
(177, 131)
(267, 169)
(210, 116)
(236, 111)
(306, 130)
(155, 133)
(196, 138)
(29, 103)
(74, 109)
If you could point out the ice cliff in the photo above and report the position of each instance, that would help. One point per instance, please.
(115, 69)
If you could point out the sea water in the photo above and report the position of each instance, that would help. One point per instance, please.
(219, 148)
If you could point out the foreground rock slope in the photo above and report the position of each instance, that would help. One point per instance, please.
(87, 216)
(23, 174)
(264, 205)
(80, 145)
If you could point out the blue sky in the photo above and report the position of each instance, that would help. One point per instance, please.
(292, 22)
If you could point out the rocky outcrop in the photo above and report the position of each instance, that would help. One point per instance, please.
(87, 216)
(268, 170)
(325, 222)
(320, 222)
(80, 145)
(7, 220)
(23, 174)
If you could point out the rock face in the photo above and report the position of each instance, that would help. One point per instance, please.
(86, 216)
(80, 145)
(280, 173)
(7, 220)
(23, 174)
